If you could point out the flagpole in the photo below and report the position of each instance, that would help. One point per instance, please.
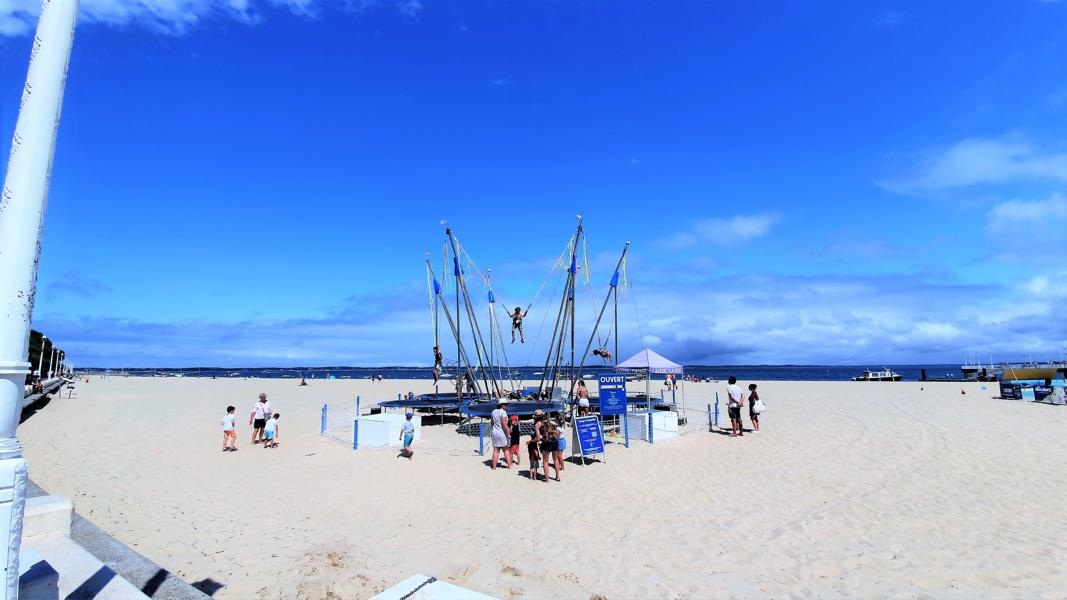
(22, 208)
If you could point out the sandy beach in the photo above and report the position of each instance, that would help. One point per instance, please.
(852, 490)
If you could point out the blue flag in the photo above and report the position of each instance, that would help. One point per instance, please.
(574, 264)
(436, 287)
(615, 279)
(492, 298)
(455, 263)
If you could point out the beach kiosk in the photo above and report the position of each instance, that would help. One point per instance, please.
(651, 424)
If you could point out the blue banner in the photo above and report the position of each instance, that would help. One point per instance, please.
(612, 393)
(590, 435)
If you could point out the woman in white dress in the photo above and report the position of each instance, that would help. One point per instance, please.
(501, 432)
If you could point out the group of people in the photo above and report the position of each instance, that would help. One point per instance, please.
(736, 402)
(264, 424)
(545, 447)
(670, 383)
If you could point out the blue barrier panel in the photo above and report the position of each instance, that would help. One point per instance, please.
(481, 440)
(711, 423)
(590, 435)
(611, 388)
(322, 427)
(355, 434)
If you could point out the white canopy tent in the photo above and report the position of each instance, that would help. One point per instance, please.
(651, 363)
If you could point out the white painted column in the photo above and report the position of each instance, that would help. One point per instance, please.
(22, 208)
(40, 357)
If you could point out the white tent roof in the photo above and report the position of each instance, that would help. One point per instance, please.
(647, 360)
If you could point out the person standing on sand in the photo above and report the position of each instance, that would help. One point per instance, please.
(516, 439)
(271, 432)
(737, 400)
(407, 434)
(501, 433)
(531, 447)
(258, 418)
(229, 430)
(582, 393)
(549, 446)
(753, 416)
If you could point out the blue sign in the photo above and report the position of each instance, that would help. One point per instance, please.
(590, 435)
(612, 393)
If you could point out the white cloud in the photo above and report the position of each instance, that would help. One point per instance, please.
(981, 161)
(19, 17)
(725, 232)
(1014, 215)
(890, 18)
(755, 319)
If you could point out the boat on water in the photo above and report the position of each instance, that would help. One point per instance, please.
(886, 374)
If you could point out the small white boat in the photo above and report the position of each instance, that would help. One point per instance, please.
(885, 375)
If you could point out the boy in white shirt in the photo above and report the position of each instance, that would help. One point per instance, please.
(270, 432)
(229, 431)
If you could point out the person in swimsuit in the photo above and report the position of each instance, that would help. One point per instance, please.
(603, 353)
(516, 323)
(582, 393)
(516, 436)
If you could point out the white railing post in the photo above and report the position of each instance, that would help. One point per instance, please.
(22, 208)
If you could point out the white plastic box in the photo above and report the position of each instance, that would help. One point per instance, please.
(665, 424)
(378, 431)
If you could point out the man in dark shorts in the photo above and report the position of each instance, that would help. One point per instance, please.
(258, 419)
(736, 401)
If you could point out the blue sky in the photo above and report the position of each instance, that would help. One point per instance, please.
(253, 183)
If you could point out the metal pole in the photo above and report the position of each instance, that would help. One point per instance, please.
(648, 397)
(52, 361)
(23, 202)
(615, 357)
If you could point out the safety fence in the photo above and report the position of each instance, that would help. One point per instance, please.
(366, 426)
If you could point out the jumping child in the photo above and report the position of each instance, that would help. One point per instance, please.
(516, 323)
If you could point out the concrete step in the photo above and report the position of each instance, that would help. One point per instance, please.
(48, 549)
(81, 575)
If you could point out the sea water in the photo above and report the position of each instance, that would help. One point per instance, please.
(742, 372)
